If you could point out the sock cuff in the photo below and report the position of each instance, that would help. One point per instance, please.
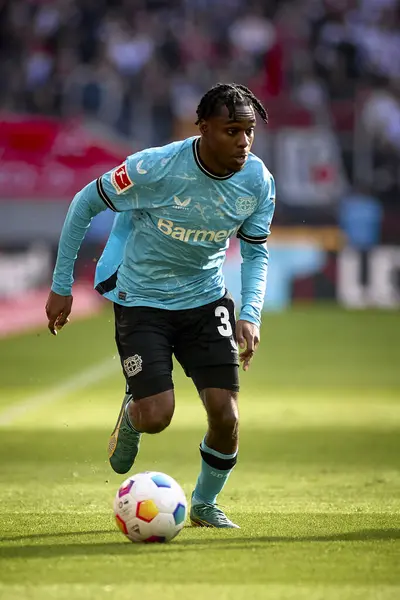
(217, 460)
(203, 446)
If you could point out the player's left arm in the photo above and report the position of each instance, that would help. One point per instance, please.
(253, 236)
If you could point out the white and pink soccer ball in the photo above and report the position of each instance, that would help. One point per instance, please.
(150, 507)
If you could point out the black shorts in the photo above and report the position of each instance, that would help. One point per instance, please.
(202, 339)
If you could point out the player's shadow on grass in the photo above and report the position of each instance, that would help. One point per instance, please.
(182, 544)
(60, 534)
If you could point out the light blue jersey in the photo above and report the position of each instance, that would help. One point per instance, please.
(172, 229)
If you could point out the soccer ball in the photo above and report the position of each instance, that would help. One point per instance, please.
(150, 507)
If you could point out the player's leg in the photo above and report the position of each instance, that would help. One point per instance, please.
(219, 448)
(143, 338)
(222, 409)
(151, 414)
(208, 351)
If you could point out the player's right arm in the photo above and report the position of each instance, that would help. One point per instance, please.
(85, 205)
(117, 190)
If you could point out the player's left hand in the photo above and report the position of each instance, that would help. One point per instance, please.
(248, 338)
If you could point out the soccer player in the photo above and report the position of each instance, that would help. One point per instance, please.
(176, 208)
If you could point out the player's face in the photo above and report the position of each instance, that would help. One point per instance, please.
(229, 140)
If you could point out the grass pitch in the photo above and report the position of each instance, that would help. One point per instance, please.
(316, 489)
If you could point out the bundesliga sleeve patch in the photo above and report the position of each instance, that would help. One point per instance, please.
(120, 179)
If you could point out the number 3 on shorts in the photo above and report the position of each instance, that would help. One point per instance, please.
(225, 328)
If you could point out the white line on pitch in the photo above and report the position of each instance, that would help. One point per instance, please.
(76, 382)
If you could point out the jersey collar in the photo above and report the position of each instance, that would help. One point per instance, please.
(202, 167)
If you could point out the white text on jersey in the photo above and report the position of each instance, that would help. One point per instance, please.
(193, 235)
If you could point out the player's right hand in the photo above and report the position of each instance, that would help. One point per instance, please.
(58, 309)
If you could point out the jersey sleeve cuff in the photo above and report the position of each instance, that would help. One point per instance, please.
(248, 315)
(61, 290)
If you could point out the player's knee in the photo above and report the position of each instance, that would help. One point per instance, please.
(157, 423)
(155, 413)
(227, 423)
(223, 414)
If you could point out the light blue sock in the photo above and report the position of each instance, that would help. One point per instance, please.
(215, 470)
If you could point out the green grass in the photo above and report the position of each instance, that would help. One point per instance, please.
(316, 490)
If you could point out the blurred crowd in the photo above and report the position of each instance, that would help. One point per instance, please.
(356, 50)
(141, 66)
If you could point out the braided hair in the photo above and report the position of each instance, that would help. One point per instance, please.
(228, 94)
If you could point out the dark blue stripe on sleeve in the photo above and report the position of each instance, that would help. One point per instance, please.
(103, 195)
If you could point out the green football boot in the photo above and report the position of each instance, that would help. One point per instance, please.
(123, 444)
(209, 515)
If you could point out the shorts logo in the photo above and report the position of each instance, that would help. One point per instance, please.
(120, 179)
(133, 365)
(245, 205)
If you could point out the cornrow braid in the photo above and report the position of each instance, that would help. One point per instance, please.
(228, 94)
